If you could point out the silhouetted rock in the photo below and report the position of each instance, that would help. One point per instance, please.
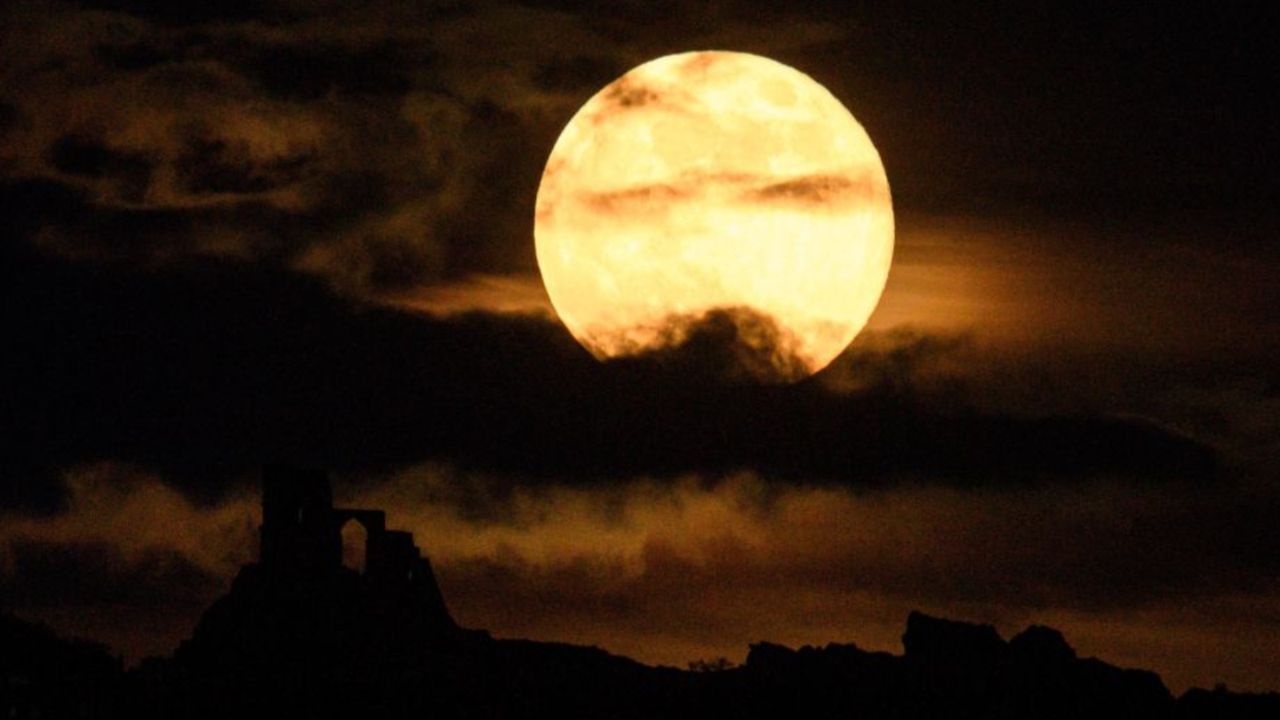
(1042, 647)
(1219, 704)
(953, 663)
(955, 669)
(816, 682)
(935, 641)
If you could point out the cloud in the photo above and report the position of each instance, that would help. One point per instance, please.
(9, 118)
(185, 13)
(79, 575)
(627, 93)
(815, 193)
(342, 149)
(482, 293)
(127, 560)
(999, 547)
(640, 197)
(400, 145)
(578, 72)
(138, 518)
(84, 157)
(204, 371)
(674, 571)
(215, 217)
(820, 191)
(380, 148)
(670, 570)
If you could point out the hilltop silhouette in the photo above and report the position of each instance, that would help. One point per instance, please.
(302, 635)
(300, 607)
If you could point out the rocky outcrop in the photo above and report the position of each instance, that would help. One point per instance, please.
(1220, 704)
(956, 669)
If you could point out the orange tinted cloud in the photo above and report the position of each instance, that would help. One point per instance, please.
(1175, 578)
(500, 294)
(1029, 286)
(673, 573)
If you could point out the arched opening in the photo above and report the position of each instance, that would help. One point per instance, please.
(355, 546)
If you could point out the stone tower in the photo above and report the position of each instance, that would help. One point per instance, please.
(298, 533)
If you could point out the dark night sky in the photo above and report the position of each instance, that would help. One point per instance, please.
(246, 231)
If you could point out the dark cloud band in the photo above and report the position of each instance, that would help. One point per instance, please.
(207, 370)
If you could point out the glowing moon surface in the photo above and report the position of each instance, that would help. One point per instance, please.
(714, 180)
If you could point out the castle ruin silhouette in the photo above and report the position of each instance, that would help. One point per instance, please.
(300, 605)
(302, 534)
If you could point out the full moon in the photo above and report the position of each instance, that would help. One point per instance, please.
(711, 181)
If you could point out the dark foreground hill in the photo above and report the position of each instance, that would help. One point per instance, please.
(302, 636)
(43, 675)
(949, 670)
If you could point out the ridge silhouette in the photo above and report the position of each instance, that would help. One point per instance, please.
(299, 635)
